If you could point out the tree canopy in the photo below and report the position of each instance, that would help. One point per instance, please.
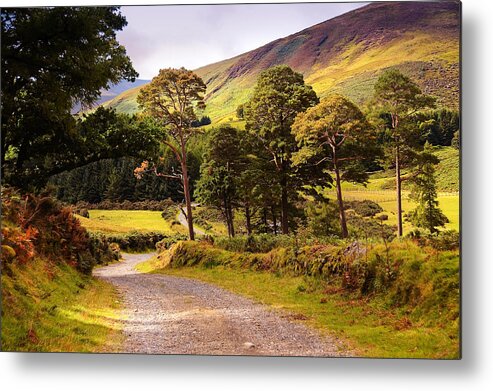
(51, 59)
(336, 135)
(279, 95)
(398, 99)
(171, 99)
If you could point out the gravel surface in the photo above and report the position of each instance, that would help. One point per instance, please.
(172, 315)
(182, 218)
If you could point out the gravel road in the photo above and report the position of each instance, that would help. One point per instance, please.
(182, 218)
(171, 315)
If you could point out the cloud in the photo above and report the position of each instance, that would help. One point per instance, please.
(195, 35)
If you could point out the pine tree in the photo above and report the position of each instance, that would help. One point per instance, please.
(427, 214)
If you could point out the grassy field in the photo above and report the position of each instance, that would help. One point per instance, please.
(124, 221)
(448, 202)
(53, 308)
(367, 327)
(382, 184)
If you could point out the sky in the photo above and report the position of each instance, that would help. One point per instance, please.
(195, 35)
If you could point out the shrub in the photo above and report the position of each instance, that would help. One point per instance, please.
(365, 208)
(167, 242)
(40, 225)
(134, 241)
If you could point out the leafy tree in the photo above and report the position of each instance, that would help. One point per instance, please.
(217, 185)
(338, 136)
(279, 95)
(321, 218)
(427, 214)
(51, 59)
(399, 98)
(171, 98)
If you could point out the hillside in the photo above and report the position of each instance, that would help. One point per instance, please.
(114, 91)
(345, 55)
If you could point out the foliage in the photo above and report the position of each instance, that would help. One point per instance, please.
(168, 241)
(261, 243)
(365, 208)
(322, 218)
(240, 112)
(279, 95)
(448, 240)
(440, 126)
(398, 99)
(427, 214)
(336, 135)
(80, 56)
(171, 99)
(132, 241)
(204, 120)
(38, 225)
(227, 165)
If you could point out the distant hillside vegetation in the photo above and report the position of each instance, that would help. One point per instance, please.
(345, 55)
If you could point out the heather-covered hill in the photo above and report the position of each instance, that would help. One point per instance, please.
(345, 55)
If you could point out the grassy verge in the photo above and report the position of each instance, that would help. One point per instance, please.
(50, 307)
(371, 325)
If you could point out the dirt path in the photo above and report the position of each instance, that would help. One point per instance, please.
(182, 218)
(172, 315)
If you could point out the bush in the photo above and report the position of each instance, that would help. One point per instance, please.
(444, 240)
(40, 225)
(134, 241)
(167, 242)
(365, 208)
(261, 243)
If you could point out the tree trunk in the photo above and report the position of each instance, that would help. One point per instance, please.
(231, 221)
(284, 204)
(342, 213)
(398, 184)
(248, 218)
(186, 190)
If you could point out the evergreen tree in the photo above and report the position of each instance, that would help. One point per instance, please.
(427, 214)
(171, 99)
(336, 134)
(398, 99)
(279, 95)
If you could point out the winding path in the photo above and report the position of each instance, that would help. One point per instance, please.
(172, 315)
(182, 218)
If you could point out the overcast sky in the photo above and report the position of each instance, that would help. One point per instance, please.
(195, 35)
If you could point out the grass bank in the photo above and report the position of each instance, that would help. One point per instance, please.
(50, 307)
(415, 315)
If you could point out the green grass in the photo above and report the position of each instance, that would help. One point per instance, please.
(50, 307)
(380, 189)
(367, 327)
(447, 171)
(124, 221)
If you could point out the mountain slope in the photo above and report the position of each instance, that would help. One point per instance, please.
(345, 55)
(114, 91)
